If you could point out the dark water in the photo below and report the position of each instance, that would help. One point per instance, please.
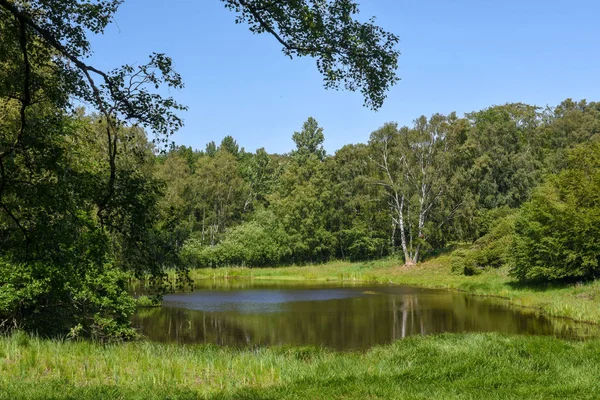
(246, 313)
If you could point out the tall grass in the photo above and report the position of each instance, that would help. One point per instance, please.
(490, 366)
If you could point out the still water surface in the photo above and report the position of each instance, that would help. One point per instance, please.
(249, 313)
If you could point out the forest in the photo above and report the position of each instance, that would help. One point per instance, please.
(412, 191)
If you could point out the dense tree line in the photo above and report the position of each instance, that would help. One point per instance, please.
(409, 191)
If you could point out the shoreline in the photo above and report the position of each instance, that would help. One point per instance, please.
(578, 302)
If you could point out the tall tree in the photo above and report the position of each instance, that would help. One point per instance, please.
(361, 229)
(309, 141)
(503, 162)
(218, 194)
(229, 144)
(261, 172)
(565, 126)
(302, 202)
(211, 148)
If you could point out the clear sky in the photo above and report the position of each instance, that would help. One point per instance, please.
(457, 55)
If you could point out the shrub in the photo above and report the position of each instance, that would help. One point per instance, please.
(88, 301)
(557, 234)
(261, 242)
(490, 250)
(361, 245)
(462, 262)
(148, 301)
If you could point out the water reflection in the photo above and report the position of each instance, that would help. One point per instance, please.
(355, 317)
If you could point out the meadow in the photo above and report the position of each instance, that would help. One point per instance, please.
(449, 366)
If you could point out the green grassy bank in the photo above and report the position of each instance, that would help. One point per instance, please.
(462, 366)
(579, 301)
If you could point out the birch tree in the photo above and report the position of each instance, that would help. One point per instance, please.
(412, 169)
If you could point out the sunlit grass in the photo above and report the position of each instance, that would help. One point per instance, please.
(490, 366)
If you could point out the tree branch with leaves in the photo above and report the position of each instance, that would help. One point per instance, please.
(350, 54)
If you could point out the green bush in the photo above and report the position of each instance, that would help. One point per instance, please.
(261, 242)
(490, 250)
(487, 220)
(361, 245)
(462, 262)
(148, 301)
(558, 230)
(87, 301)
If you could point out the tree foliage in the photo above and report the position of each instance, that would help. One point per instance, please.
(309, 141)
(412, 170)
(349, 53)
(411, 190)
(557, 234)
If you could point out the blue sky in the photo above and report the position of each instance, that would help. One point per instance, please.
(457, 55)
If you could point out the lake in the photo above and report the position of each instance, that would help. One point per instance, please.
(245, 313)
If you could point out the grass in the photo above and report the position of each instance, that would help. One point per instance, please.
(145, 301)
(579, 301)
(456, 366)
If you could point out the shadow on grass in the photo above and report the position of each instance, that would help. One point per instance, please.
(538, 286)
(60, 389)
(407, 386)
(443, 251)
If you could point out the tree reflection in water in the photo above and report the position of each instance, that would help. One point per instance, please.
(337, 317)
